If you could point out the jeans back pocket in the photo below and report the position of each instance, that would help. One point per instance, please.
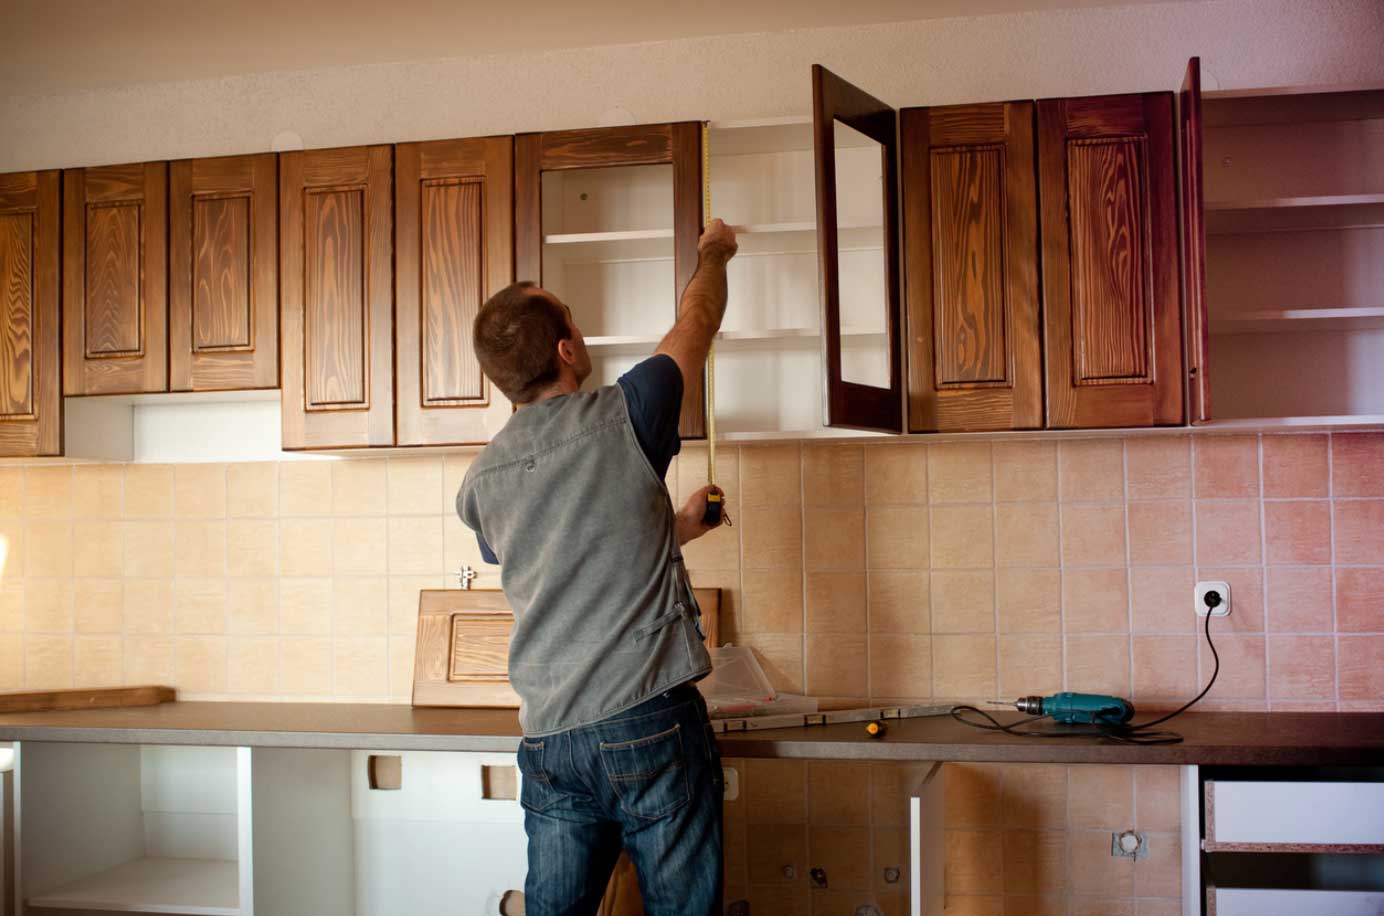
(649, 773)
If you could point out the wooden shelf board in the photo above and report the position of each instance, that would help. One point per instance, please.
(734, 339)
(196, 887)
(626, 235)
(1276, 203)
(1297, 320)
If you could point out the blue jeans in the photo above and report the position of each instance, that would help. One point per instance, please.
(647, 780)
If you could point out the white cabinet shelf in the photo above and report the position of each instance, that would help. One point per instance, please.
(1277, 321)
(1277, 203)
(762, 338)
(196, 887)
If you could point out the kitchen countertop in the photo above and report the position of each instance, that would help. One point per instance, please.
(1211, 738)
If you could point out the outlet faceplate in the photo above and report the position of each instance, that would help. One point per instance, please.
(1203, 588)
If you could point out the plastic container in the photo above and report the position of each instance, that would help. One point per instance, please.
(737, 685)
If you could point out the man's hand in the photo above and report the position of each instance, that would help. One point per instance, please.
(717, 241)
(689, 519)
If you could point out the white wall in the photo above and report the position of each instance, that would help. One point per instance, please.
(1243, 43)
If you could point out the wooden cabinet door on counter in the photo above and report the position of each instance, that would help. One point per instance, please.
(223, 269)
(336, 281)
(30, 382)
(971, 244)
(115, 308)
(1112, 323)
(454, 248)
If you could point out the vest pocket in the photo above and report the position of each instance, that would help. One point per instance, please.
(537, 792)
(678, 612)
(649, 774)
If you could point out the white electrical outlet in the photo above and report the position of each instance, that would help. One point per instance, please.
(1221, 588)
(732, 778)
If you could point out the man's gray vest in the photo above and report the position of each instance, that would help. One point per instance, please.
(604, 617)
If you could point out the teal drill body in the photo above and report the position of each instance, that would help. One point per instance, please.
(1079, 708)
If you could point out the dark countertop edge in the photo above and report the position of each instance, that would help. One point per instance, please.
(736, 746)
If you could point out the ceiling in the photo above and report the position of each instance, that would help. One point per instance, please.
(64, 45)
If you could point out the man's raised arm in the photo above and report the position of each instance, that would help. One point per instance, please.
(703, 302)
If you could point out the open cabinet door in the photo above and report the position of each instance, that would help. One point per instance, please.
(1194, 243)
(857, 239)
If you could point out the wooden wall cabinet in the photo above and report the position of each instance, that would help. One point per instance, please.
(223, 268)
(115, 309)
(30, 378)
(1112, 317)
(539, 203)
(453, 249)
(336, 270)
(971, 244)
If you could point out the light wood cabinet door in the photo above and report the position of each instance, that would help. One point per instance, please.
(336, 281)
(610, 147)
(1112, 323)
(454, 248)
(970, 212)
(223, 273)
(115, 307)
(30, 382)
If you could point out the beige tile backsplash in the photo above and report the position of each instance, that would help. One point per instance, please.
(887, 571)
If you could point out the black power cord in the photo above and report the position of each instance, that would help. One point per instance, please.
(1129, 733)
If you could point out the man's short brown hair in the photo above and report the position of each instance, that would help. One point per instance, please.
(516, 335)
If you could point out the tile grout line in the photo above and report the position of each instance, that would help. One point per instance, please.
(994, 569)
(1264, 561)
(1129, 553)
(1331, 518)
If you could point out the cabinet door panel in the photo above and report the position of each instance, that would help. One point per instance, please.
(336, 227)
(30, 392)
(223, 319)
(454, 248)
(1194, 243)
(854, 404)
(609, 147)
(115, 332)
(1112, 321)
(971, 241)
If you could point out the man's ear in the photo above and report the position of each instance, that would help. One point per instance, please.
(566, 352)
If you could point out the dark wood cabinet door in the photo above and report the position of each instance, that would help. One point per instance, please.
(608, 147)
(30, 372)
(1112, 324)
(115, 307)
(1194, 243)
(223, 273)
(853, 404)
(453, 249)
(970, 213)
(336, 281)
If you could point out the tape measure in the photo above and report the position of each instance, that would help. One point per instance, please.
(715, 505)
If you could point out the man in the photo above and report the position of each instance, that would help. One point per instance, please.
(569, 499)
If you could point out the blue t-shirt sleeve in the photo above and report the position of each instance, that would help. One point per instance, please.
(487, 554)
(653, 394)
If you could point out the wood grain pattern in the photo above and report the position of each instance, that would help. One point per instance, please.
(17, 318)
(1194, 242)
(849, 404)
(336, 297)
(114, 314)
(1110, 313)
(453, 249)
(336, 331)
(971, 241)
(223, 273)
(609, 147)
(1112, 316)
(115, 306)
(30, 392)
(220, 273)
(461, 656)
(968, 264)
(101, 698)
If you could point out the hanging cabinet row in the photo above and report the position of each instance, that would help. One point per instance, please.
(1012, 265)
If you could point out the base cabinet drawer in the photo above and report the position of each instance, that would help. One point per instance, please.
(1244, 816)
(1241, 901)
